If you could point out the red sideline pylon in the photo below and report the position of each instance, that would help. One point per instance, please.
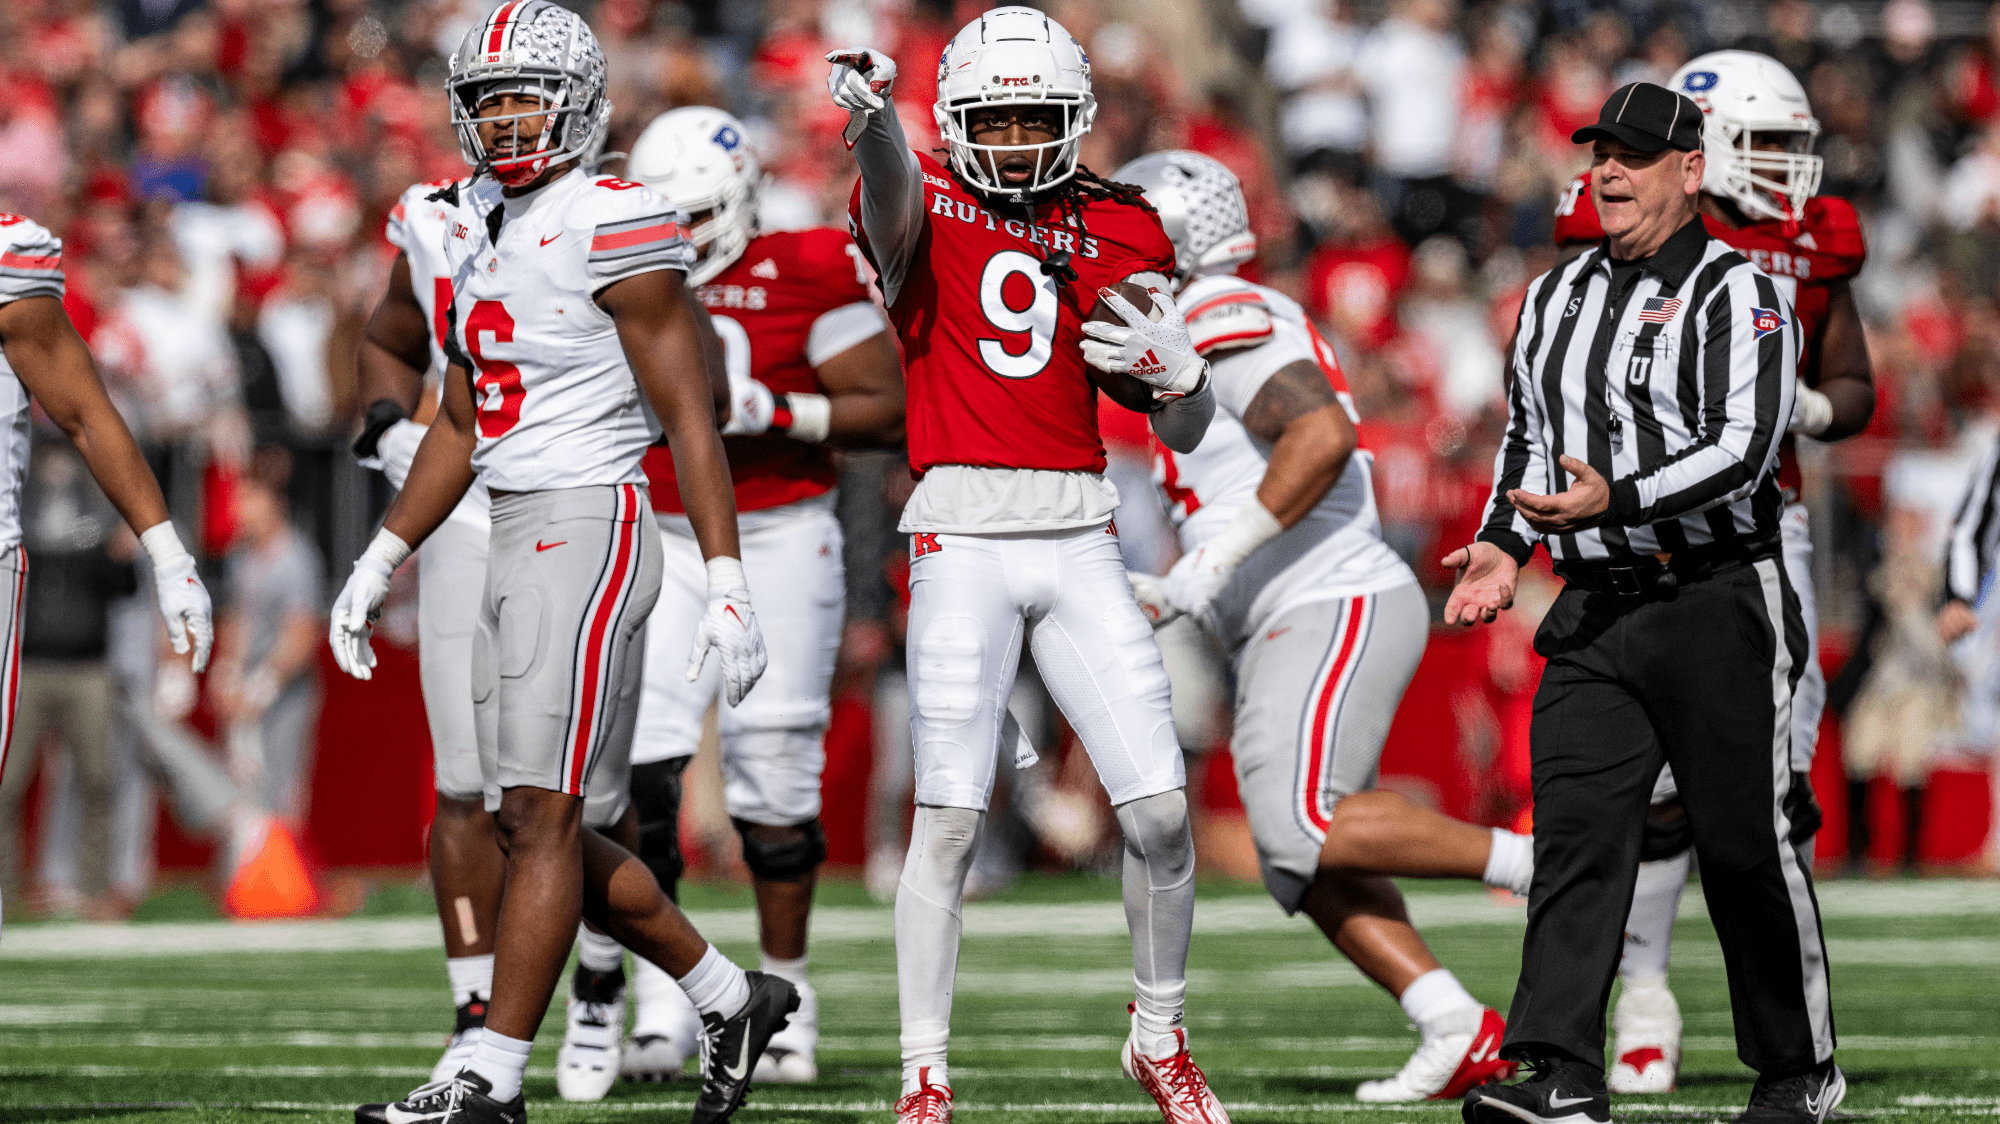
(273, 882)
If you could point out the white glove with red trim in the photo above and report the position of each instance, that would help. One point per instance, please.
(729, 628)
(184, 600)
(1193, 583)
(1151, 594)
(1154, 351)
(860, 82)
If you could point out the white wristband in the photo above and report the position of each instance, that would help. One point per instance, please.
(725, 575)
(1813, 413)
(388, 549)
(1253, 527)
(812, 417)
(163, 545)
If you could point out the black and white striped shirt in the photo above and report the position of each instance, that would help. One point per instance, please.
(1673, 377)
(1974, 545)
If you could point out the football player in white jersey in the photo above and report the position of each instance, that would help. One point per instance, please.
(1285, 563)
(405, 339)
(42, 358)
(570, 332)
(810, 365)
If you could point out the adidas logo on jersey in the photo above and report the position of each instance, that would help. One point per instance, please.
(767, 269)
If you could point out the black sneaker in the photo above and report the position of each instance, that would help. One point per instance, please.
(730, 1047)
(1557, 1092)
(461, 1099)
(1808, 1098)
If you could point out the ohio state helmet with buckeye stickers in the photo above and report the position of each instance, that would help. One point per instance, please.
(1200, 203)
(1746, 98)
(698, 158)
(532, 48)
(1013, 56)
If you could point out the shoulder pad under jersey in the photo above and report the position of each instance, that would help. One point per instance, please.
(1225, 314)
(1832, 230)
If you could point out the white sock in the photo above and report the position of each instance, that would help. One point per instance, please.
(598, 952)
(716, 985)
(501, 1060)
(1510, 864)
(928, 898)
(470, 976)
(1434, 996)
(1649, 930)
(791, 971)
(1159, 910)
(663, 1008)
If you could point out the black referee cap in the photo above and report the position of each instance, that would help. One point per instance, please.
(1647, 117)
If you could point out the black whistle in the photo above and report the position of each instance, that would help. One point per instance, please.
(1057, 265)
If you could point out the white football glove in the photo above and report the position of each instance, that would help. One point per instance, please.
(729, 627)
(1193, 583)
(860, 82)
(184, 600)
(1158, 352)
(1151, 595)
(360, 602)
(396, 450)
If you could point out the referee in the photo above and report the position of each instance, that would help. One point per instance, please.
(1652, 378)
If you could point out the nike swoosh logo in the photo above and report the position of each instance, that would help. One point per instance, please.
(551, 238)
(742, 1060)
(541, 546)
(397, 1116)
(1565, 1102)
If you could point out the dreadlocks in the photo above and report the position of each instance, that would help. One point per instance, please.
(1070, 198)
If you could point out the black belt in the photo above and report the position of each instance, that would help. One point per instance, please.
(1662, 575)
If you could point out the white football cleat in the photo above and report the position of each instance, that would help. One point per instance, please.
(1178, 1085)
(1449, 1064)
(587, 1064)
(464, 1038)
(790, 1058)
(666, 1031)
(930, 1104)
(1648, 1050)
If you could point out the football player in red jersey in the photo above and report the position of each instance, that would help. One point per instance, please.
(1758, 195)
(990, 267)
(811, 366)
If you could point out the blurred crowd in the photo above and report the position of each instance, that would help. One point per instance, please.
(220, 171)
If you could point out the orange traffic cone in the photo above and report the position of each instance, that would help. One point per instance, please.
(273, 880)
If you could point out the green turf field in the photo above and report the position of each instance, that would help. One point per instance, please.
(197, 1021)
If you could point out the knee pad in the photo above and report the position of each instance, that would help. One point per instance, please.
(1667, 832)
(656, 796)
(782, 854)
(1157, 833)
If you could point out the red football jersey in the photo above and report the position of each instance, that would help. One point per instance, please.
(992, 354)
(775, 292)
(1827, 246)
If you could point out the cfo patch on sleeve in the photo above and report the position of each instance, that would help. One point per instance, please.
(1764, 321)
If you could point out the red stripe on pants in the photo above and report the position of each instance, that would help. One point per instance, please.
(1309, 785)
(600, 622)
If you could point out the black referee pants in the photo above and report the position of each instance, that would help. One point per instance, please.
(1702, 682)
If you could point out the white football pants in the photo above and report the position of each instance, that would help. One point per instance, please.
(772, 744)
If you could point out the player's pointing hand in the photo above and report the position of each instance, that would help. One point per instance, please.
(861, 79)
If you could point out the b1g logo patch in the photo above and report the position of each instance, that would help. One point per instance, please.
(1764, 321)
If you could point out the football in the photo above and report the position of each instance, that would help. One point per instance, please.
(1139, 295)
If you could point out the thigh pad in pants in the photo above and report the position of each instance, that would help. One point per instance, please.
(451, 581)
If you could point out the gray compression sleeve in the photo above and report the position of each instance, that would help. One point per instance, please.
(1181, 423)
(892, 197)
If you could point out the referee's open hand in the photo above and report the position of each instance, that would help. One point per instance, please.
(1485, 585)
(1580, 508)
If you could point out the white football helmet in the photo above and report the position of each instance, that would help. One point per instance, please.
(1746, 97)
(531, 47)
(1200, 202)
(699, 159)
(1013, 56)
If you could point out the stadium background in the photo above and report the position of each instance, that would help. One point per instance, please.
(220, 172)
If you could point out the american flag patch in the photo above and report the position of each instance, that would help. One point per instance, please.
(1658, 310)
